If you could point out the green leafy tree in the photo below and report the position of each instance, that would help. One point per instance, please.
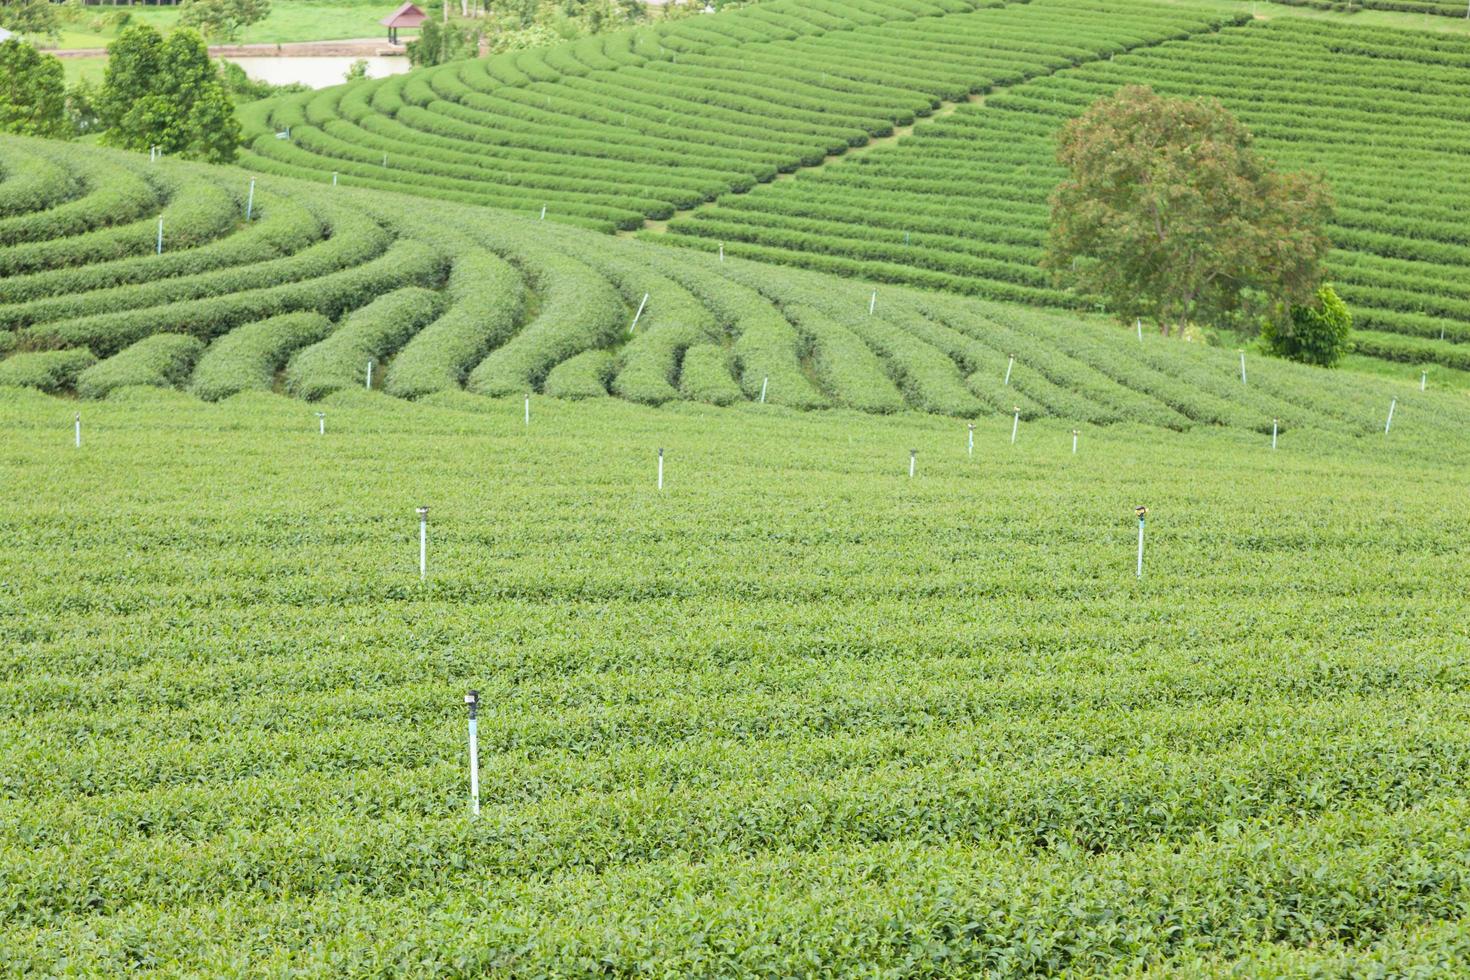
(165, 92)
(32, 92)
(438, 43)
(33, 18)
(1315, 333)
(1169, 214)
(222, 20)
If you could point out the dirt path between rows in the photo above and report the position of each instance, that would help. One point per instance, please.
(899, 132)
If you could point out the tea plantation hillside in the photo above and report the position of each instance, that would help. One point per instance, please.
(623, 129)
(323, 287)
(796, 714)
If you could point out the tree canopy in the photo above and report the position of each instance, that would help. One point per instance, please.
(165, 92)
(221, 20)
(32, 92)
(1168, 213)
(32, 18)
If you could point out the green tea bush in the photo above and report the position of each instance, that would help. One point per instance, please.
(370, 333)
(52, 370)
(249, 357)
(584, 375)
(163, 360)
(705, 376)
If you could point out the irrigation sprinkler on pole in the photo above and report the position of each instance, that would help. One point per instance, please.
(913, 457)
(385, 159)
(1242, 367)
(1423, 379)
(722, 251)
(423, 513)
(321, 423)
(79, 430)
(970, 440)
(1389, 423)
(543, 212)
(1142, 512)
(528, 409)
(872, 302)
(764, 381)
(1274, 423)
(250, 200)
(369, 384)
(1074, 442)
(1015, 424)
(1138, 325)
(334, 178)
(160, 235)
(639, 315)
(1010, 364)
(472, 701)
(660, 469)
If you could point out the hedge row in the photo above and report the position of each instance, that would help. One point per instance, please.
(248, 357)
(368, 334)
(164, 360)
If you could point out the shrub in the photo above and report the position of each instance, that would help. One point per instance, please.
(52, 370)
(368, 334)
(1314, 334)
(249, 356)
(163, 360)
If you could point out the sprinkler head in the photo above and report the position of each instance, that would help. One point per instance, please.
(423, 513)
(1141, 511)
(472, 698)
(660, 453)
(972, 426)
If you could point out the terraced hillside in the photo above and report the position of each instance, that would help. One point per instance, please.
(324, 287)
(615, 131)
(617, 128)
(962, 203)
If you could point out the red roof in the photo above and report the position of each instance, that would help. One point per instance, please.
(407, 15)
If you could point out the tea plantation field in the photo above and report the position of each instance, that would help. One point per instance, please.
(323, 285)
(696, 120)
(795, 714)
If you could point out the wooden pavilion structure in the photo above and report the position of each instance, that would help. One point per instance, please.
(408, 15)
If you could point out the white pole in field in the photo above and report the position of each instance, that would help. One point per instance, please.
(472, 700)
(543, 212)
(334, 178)
(913, 456)
(872, 302)
(639, 315)
(160, 234)
(79, 430)
(385, 159)
(660, 469)
(722, 251)
(1074, 442)
(1273, 433)
(764, 381)
(970, 442)
(1423, 379)
(1242, 367)
(369, 384)
(1138, 325)
(1389, 423)
(250, 200)
(1142, 512)
(423, 543)
(528, 409)
(321, 423)
(1010, 364)
(1015, 424)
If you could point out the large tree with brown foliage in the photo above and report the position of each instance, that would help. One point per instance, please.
(1168, 213)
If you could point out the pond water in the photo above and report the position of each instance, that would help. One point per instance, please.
(315, 72)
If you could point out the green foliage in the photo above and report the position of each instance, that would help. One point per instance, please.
(222, 20)
(249, 357)
(440, 43)
(164, 360)
(357, 71)
(30, 18)
(242, 88)
(1169, 213)
(32, 92)
(52, 370)
(1314, 334)
(165, 92)
(371, 333)
(798, 715)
